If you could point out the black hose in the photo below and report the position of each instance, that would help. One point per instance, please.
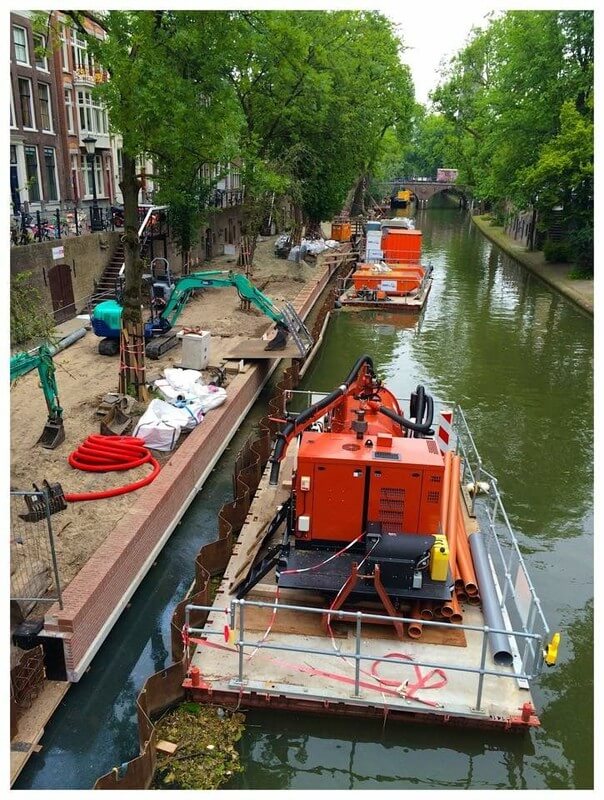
(294, 426)
(420, 406)
(423, 427)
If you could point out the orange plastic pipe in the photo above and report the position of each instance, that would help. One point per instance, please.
(456, 617)
(414, 630)
(426, 611)
(453, 505)
(464, 557)
(444, 507)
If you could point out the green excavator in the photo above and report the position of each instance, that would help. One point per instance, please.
(168, 300)
(41, 359)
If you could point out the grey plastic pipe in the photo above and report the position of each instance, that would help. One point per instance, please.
(498, 642)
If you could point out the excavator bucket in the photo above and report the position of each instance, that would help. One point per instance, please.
(116, 422)
(52, 435)
(279, 341)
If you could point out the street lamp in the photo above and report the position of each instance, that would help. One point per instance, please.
(96, 223)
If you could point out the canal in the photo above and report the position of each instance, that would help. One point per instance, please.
(519, 359)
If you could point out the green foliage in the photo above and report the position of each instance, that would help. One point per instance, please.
(556, 252)
(519, 100)
(29, 320)
(206, 756)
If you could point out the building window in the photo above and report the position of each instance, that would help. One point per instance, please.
(45, 112)
(31, 170)
(13, 118)
(26, 105)
(75, 164)
(69, 111)
(98, 176)
(65, 48)
(14, 180)
(21, 50)
(120, 165)
(40, 52)
(51, 174)
(82, 60)
(93, 118)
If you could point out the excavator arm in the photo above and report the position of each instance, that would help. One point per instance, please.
(41, 359)
(287, 320)
(215, 279)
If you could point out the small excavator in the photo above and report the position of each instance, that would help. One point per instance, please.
(41, 359)
(168, 301)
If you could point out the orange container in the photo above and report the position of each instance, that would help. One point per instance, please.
(341, 231)
(402, 245)
(399, 281)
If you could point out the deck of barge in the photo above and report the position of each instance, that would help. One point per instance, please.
(315, 677)
(408, 303)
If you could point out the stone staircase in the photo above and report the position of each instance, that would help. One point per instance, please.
(105, 288)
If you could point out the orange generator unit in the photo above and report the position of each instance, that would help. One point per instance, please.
(401, 280)
(367, 495)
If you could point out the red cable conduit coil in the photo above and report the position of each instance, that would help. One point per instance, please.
(111, 454)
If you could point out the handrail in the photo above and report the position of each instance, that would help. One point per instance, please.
(150, 210)
(358, 655)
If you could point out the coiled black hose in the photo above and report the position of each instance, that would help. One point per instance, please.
(423, 427)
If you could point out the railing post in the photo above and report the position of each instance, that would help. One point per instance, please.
(39, 226)
(53, 555)
(483, 658)
(241, 640)
(77, 222)
(58, 215)
(357, 663)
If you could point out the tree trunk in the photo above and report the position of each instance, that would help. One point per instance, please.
(132, 341)
(357, 207)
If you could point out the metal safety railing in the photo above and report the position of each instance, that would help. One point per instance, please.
(33, 559)
(481, 669)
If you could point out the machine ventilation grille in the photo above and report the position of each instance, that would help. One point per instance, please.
(433, 447)
(435, 479)
(392, 507)
(433, 497)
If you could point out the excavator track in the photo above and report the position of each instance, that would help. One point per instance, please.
(160, 345)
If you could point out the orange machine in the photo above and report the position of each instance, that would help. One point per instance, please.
(401, 245)
(341, 230)
(401, 280)
(343, 484)
(366, 503)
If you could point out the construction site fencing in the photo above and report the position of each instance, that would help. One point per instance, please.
(34, 568)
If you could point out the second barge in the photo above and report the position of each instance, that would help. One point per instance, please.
(371, 576)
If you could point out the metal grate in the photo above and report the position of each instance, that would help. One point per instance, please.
(433, 447)
(435, 479)
(392, 509)
(433, 497)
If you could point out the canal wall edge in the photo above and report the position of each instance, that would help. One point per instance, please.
(579, 292)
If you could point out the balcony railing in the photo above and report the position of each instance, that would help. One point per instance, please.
(226, 198)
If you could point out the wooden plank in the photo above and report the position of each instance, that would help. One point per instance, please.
(166, 747)
(255, 348)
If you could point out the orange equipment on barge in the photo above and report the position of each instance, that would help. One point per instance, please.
(392, 275)
(374, 528)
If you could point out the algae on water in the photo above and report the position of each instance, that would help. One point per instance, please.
(206, 756)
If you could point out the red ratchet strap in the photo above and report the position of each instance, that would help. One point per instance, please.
(308, 670)
(422, 680)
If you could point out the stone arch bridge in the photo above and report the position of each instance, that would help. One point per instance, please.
(425, 188)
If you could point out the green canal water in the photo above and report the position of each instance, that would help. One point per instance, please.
(519, 359)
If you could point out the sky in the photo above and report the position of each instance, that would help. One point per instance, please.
(433, 32)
